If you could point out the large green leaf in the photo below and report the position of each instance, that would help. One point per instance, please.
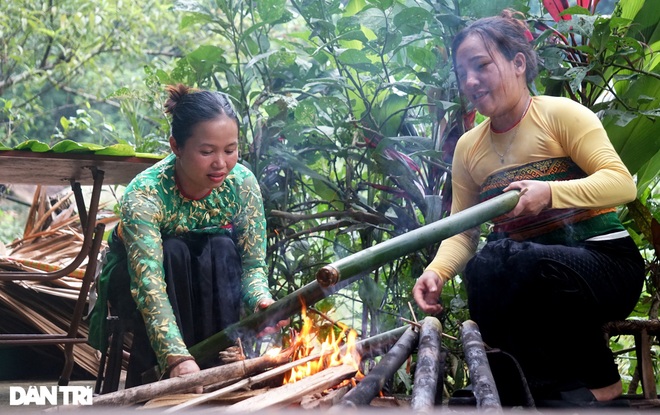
(69, 146)
(638, 141)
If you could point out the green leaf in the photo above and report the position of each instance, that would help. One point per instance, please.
(370, 293)
(411, 20)
(271, 10)
(33, 145)
(117, 150)
(357, 59)
(327, 193)
(422, 57)
(70, 146)
(65, 123)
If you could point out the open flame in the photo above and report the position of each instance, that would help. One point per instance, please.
(334, 350)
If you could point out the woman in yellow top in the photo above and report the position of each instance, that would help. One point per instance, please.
(560, 264)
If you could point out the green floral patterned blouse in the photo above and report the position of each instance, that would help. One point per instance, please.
(152, 206)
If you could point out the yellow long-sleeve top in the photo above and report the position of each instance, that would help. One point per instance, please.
(553, 128)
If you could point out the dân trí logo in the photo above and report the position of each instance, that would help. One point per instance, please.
(50, 395)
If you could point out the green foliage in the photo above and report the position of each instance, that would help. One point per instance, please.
(350, 111)
(610, 64)
(61, 62)
(13, 221)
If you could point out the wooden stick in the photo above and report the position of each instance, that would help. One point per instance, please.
(245, 383)
(293, 392)
(236, 370)
(327, 400)
(412, 323)
(372, 384)
(483, 383)
(430, 362)
(412, 312)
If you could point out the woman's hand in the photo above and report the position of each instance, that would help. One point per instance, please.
(426, 292)
(533, 200)
(184, 368)
(263, 304)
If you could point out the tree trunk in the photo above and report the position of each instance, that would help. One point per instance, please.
(373, 383)
(430, 363)
(483, 383)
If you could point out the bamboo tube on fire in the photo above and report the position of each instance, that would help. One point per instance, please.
(373, 382)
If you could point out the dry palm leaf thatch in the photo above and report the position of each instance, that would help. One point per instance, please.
(45, 314)
(52, 238)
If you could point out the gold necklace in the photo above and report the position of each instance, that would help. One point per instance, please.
(513, 137)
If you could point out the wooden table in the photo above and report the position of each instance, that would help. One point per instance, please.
(26, 167)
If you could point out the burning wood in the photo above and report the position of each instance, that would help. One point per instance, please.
(365, 348)
(294, 392)
(373, 383)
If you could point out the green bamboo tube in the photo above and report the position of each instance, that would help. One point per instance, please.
(371, 258)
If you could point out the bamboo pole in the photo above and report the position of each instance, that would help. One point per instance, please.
(236, 370)
(371, 258)
(280, 310)
(373, 383)
(430, 362)
(483, 383)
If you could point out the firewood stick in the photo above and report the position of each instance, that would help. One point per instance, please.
(483, 383)
(293, 392)
(236, 370)
(412, 312)
(366, 348)
(412, 323)
(430, 361)
(280, 370)
(326, 400)
(372, 384)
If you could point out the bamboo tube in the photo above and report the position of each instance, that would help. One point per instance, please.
(371, 258)
(430, 362)
(373, 383)
(254, 323)
(483, 382)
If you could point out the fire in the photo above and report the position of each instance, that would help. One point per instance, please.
(330, 350)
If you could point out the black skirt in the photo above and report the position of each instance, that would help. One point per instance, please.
(546, 304)
(203, 277)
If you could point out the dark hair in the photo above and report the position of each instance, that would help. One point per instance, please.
(508, 33)
(188, 107)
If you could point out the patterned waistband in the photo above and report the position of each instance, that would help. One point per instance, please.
(580, 223)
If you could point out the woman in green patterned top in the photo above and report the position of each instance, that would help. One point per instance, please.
(191, 238)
